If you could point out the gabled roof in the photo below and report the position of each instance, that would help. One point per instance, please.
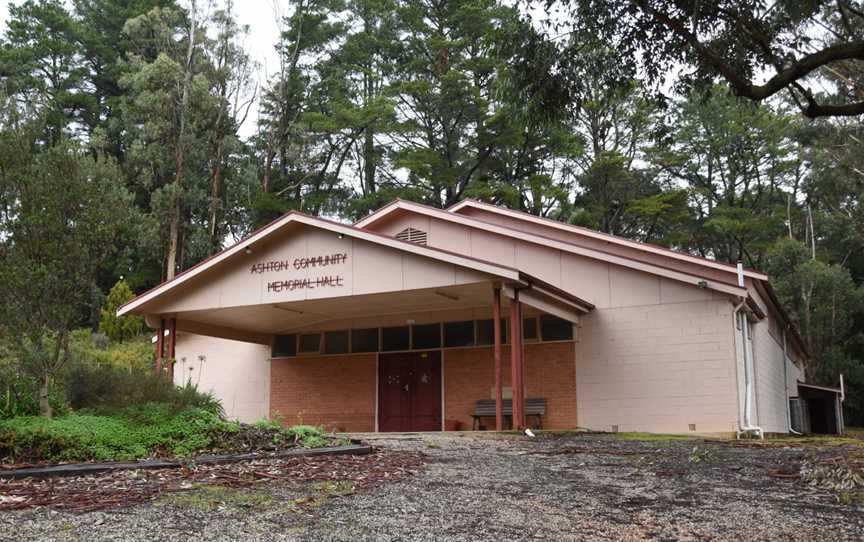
(476, 264)
(606, 237)
(668, 270)
(453, 214)
(454, 210)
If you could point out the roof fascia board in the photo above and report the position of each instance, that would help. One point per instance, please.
(556, 308)
(351, 231)
(598, 235)
(378, 214)
(565, 247)
(559, 299)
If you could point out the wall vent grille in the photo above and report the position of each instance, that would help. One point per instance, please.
(412, 236)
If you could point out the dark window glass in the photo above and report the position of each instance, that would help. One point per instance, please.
(364, 340)
(426, 336)
(529, 328)
(284, 346)
(310, 343)
(459, 333)
(484, 332)
(553, 328)
(394, 338)
(336, 342)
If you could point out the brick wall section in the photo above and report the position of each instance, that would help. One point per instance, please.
(469, 375)
(658, 368)
(337, 392)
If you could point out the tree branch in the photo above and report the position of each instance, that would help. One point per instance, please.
(794, 71)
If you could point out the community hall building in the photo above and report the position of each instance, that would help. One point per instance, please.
(390, 325)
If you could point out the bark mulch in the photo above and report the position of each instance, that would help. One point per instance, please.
(122, 488)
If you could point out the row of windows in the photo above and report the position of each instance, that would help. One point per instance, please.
(418, 337)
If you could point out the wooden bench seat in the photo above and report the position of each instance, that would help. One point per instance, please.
(485, 408)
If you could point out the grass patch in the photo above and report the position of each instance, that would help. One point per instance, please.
(130, 433)
(211, 497)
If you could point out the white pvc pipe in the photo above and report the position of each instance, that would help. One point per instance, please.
(786, 386)
(748, 378)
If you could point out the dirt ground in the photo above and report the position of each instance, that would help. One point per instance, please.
(486, 487)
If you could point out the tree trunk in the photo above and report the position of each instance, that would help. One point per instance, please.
(44, 403)
(173, 243)
(179, 154)
(215, 187)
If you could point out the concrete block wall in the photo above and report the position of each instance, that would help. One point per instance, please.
(238, 373)
(658, 368)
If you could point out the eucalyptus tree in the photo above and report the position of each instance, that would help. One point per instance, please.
(288, 147)
(186, 92)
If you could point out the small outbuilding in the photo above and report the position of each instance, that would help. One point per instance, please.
(422, 319)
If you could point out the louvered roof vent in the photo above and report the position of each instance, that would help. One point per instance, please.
(412, 236)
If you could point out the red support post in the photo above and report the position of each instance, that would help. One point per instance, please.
(172, 346)
(160, 347)
(523, 422)
(515, 360)
(499, 392)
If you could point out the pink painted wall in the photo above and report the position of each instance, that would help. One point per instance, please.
(238, 373)
(655, 355)
(366, 268)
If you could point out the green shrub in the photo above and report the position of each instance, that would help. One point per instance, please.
(309, 436)
(134, 353)
(304, 435)
(119, 328)
(132, 433)
(105, 388)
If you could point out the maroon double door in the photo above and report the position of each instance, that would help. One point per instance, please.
(409, 391)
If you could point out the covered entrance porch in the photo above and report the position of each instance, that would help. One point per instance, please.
(371, 333)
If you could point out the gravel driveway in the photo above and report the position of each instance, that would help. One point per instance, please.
(571, 487)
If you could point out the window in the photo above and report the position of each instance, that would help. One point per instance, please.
(336, 342)
(394, 338)
(364, 340)
(284, 346)
(426, 336)
(529, 329)
(553, 328)
(485, 330)
(310, 343)
(459, 333)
